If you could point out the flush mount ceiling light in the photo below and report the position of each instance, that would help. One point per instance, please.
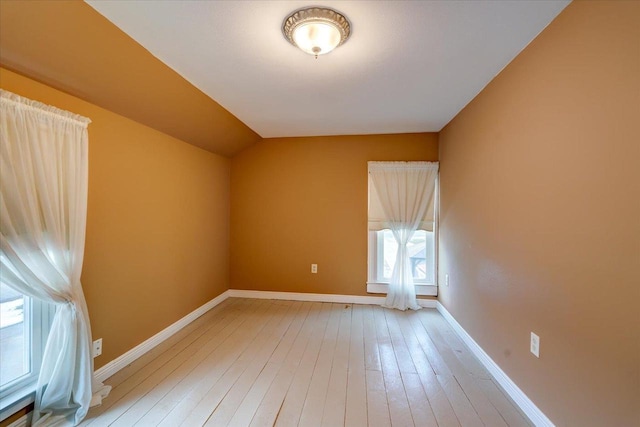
(316, 30)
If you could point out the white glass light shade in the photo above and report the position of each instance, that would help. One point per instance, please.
(316, 38)
(316, 30)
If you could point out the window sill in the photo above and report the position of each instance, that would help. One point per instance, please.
(425, 289)
(19, 399)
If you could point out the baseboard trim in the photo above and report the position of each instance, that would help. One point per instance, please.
(130, 356)
(298, 296)
(422, 290)
(537, 417)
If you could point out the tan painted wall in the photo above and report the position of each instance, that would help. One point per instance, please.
(67, 45)
(298, 201)
(540, 216)
(157, 224)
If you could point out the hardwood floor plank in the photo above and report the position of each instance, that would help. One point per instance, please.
(212, 392)
(459, 401)
(291, 408)
(446, 353)
(316, 395)
(209, 370)
(428, 347)
(440, 404)
(471, 364)
(371, 353)
(483, 407)
(245, 412)
(421, 411)
(182, 378)
(438, 401)
(213, 369)
(204, 321)
(356, 399)
(405, 362)
(377, 407)
(140, 372)
(481, 403)
(396, 396)
(335, 403)
(285, 345)
(141, 389)
(512, 416)
(286, 363)
(265, 345)
(270, 405)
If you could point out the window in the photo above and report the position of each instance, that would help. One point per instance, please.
(24, 325)
(382, 257)
(383, 247)
(41, 254)
(421, 255)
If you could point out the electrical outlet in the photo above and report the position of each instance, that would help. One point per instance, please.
(97, 347)
(535, 345)
(446, 280)
(314, 268)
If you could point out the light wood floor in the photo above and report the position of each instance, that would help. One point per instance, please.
(262, 363)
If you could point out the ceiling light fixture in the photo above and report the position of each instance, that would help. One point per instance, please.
(316, 30)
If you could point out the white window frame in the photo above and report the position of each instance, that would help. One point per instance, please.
(376, 286)
(20, 392)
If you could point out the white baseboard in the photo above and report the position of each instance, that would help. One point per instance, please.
(422, 290)
(537, 417)
(130, 356)
(297, 296)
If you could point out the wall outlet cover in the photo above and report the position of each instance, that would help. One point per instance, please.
(535, 345)
(97, 347)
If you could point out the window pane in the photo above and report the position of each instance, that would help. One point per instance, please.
(417, 254)
(421, 255)
(390, 253)
(14, 335)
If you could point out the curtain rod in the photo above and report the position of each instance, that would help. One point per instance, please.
(41, 108)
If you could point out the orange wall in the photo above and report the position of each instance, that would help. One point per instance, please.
(298, 201)
(157, 223)
(68, 45)
(540, 216)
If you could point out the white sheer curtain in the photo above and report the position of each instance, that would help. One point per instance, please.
(401, 200)
(43, 208)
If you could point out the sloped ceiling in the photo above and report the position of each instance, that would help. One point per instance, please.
(71, 47)
(220, 75)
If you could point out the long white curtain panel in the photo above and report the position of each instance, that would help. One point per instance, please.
(402, 200)
(43, 209)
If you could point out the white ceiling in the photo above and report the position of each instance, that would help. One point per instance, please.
(409, 66)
